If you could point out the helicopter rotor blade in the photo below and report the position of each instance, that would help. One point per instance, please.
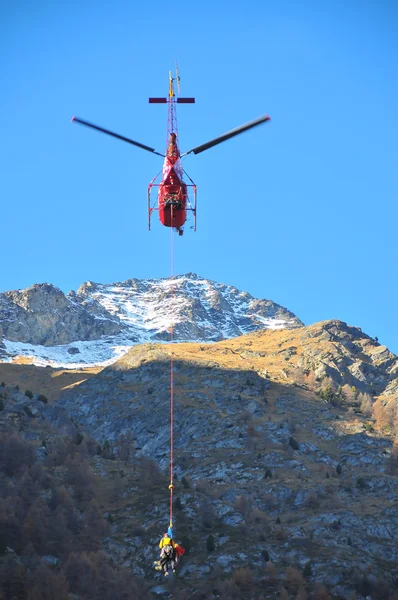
(228, 135)
(116, 135)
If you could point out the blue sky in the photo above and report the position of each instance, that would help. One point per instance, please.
(302, 210)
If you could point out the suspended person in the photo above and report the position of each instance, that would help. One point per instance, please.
(167, 554)
(170, 552)
(178, 552)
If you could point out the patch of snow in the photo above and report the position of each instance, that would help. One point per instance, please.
(91, 353)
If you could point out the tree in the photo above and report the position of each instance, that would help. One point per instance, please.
(265, 555)
(310, 380)
(210, 545)
(12, 579)
(149, 473)
(82, 478)
(385, 412)
(107, 451)
(394, 459)
(361, 483)
(37, 526)
(16, 455)
(186, 543)
(126, 448)
(206, 512)
(366, 404)
(45, 584)
(349, 393)
(95, 527)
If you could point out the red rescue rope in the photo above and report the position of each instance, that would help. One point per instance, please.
(171, 374)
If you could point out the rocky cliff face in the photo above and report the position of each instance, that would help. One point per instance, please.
(266, 461)
(100, 322)
(43, 315)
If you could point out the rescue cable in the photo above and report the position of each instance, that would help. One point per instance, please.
(171, 487)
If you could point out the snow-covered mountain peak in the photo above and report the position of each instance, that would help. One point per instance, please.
(95, 323)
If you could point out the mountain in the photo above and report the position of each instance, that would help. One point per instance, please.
(98, 323)
(277, 456)
(284, 460)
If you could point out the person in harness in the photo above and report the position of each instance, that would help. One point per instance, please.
(170, 552)
(167, 554)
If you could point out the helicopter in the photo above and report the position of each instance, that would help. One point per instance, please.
(174, 197)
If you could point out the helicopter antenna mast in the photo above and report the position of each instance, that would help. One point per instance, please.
(171, 100)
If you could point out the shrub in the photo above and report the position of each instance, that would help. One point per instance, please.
(312, 501)
(280, 534)
(29, 394)
(271, 571)
(294, 579)
(321, 593)
(258, 516)
(242, 505)
(369, 427)
(210, 545)
(301, 594)
(243, 577)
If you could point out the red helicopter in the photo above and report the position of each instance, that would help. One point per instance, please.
(174, 197)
